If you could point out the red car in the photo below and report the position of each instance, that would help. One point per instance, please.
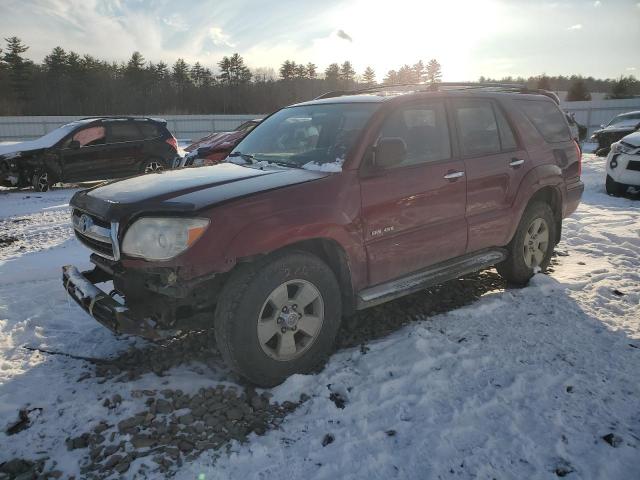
(326, 208)
(215, 147)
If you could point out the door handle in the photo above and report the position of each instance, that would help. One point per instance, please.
(516, 162)
(454, 175)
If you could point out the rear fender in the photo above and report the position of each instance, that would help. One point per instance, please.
(538, 178)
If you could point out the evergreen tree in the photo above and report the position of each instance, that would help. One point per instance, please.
(239, 72)
(300, 71)
(180, 74)
(332, 75)
(369, 76)
(287, 70)
(347, 73)
(312, 71)
(434, 72)
(578, 91)
(406, 74)
(419, 72)
(391, 78)
(19, 68)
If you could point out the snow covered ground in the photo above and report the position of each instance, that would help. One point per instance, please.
(521, 384)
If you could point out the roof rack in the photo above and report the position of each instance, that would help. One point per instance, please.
(435, 87)
(124, 117)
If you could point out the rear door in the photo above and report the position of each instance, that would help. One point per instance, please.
(125, 148)
(414, 212)
(86, 160)
(494, 162)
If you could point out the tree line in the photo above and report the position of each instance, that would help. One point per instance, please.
(68, 83)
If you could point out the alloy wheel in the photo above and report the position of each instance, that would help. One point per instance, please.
(536, 243)
(290, 320)
(153, 166)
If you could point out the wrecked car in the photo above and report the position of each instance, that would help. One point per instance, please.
(95, 148)
(620, 126)
(215, 147)
(326, 208)
(623, 165)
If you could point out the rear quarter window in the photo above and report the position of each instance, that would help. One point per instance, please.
(123, 132)
(148, 130)
(547, 118)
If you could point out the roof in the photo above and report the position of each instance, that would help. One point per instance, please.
(382, 93)
(123, 117)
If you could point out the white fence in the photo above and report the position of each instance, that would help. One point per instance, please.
(190, 127)
(594, 113)
(591, 114)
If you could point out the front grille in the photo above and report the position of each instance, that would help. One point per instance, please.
(101, 248)
(634, 165)
(95, 234)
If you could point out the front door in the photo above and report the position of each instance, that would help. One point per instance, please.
(414, 212)
(83, 155)
(494, 163)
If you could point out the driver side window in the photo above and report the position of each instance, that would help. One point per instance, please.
(90, 136)
(424, 131)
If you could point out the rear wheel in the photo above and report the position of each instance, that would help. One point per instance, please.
(614, 188)
(532, 245)
(152, 165)
(278, 317)
(41, 182)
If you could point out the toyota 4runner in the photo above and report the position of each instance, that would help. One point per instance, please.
(325, 208)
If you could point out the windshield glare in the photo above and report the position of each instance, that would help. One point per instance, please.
(306, 135)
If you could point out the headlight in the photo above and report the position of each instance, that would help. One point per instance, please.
(620, 147)
(162, 238)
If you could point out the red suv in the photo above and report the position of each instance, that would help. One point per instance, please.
(325, 208)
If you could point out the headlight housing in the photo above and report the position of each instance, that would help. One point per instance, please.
(156, 238)
(621, 147)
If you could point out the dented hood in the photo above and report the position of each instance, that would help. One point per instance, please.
(186, 190)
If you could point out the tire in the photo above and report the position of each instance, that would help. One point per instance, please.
(248, 302)
(41, 182)
(522, 263)
(152, 165)
(614, 188)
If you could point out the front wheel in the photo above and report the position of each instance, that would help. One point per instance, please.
(532, 245)
(153, 165)
(41, 182)
(614, 188)
(278, 317)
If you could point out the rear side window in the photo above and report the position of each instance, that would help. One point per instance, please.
(123, 132)
(88, 137)
(148, 130)
(477, 126)
(547, 119)
(423, 129)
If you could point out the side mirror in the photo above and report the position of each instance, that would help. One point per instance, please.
(74, 144)
(389, 152)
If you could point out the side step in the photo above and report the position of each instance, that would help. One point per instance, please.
(428, 277)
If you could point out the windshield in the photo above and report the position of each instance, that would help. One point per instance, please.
(628, 118)
(308, 136)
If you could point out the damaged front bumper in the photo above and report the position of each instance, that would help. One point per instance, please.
(106, 309)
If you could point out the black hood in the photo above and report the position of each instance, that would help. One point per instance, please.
(186, 190)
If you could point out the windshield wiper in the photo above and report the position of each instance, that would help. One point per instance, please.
(283, 164)
(245, 156)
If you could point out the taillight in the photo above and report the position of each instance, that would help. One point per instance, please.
(173, 142)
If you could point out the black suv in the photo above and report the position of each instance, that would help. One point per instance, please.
(93, 148)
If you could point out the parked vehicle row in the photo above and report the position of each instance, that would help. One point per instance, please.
(93, 148)
(325, 208)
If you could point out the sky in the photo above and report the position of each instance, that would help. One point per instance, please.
(470, 38)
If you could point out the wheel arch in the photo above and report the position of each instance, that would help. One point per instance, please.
(330, 252)
(552, 196)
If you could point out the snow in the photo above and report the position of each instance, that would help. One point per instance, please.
(332, 167)
(516, 385)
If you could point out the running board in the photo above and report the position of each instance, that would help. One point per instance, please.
(429, 277)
